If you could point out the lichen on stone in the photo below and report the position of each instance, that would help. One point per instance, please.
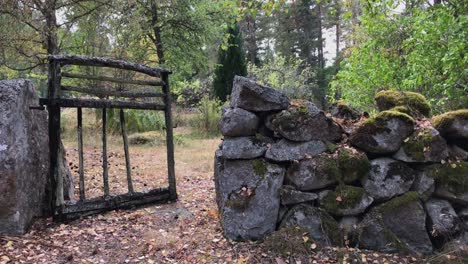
(453, 176)
(444, 121)
(398, 202)
(344, 197)
(416, 103)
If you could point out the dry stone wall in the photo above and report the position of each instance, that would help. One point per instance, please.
(397, 181)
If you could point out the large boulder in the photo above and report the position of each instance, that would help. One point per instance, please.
(243, 148)
(24, 158)
(285, 150)
(453, 125)
(415, 103)
(451, 180)
(397, 225)
(443, 221)
(424, 145)
(248, 95)
(237, 122)
(321, 226)
(314, 173)
(347, 200)
(388, 178)
(384, 133)
(457, 153)
(305, 123)
(248, 194)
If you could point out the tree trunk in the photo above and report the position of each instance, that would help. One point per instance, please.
(156, 39)
(51, 27)
(338, 27)
(321, 62)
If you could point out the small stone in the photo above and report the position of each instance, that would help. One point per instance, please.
(248, 95)
(243, 148)
(423, 185)
(424, 145)
(388, 178)
(343, 111)
(314, 173)
(290, 196)
(442, 217)
(322, 228)
(285, 150)
(237, 122)
(300, 123)
(453, 125)
(347, 200)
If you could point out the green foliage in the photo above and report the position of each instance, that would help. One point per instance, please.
(231, 62)
(189, 93)
(136, 120)
(294, 77)
(208, 116)
(421, 50)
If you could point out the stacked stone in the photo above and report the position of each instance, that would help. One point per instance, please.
(394, 182)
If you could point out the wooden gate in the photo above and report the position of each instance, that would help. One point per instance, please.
(155, 77)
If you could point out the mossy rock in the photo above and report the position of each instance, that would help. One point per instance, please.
(451, 176)
(383, 133)
(398, 202)
(289, 241)
(452, 125)
(344, 111)
(353, 164)
(424, 145)
(346, 200)
(416, 103)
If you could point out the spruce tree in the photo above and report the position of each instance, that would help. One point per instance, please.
(231, 62)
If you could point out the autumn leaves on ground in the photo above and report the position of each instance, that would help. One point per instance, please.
(187, 231)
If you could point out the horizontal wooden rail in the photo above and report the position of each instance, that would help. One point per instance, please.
(105, 62)
(110, 79)
(101, 92)
(101, 103)
(73, 210)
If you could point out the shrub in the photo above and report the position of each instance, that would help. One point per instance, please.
(136, 120)
(208, 116)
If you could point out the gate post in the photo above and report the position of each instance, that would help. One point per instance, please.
(56, 180)
(169, 137)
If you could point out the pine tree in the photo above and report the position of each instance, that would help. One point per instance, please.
(231, 62)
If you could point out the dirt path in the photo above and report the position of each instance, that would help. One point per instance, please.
(187, 231)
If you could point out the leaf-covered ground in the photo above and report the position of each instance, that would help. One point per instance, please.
(187, 231)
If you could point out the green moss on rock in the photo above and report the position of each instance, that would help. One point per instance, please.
(378, 123)
(239, 200)
(350, 196)
(416, 103)
(443, 122)
(415, 145)
(260, 167)
(327, 165)
(398, 202)
(331, 228)
(453, 176)
(353, 165)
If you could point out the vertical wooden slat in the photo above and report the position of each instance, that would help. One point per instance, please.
(80, 153)
(127, 154)
(169, 137)
(56, 180)
(105, 174)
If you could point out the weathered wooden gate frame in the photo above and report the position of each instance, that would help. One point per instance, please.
(63, 210)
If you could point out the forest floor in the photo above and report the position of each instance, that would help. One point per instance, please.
(186, 231)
